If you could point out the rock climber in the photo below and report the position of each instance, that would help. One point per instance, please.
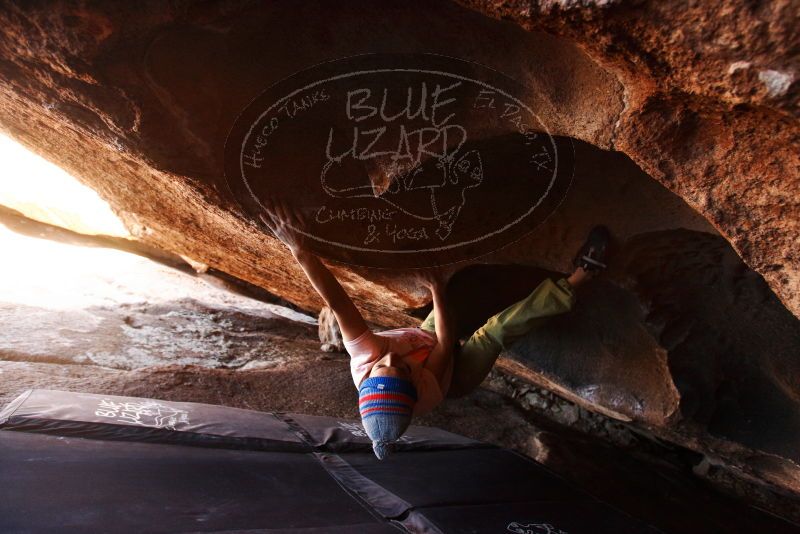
(407, 372)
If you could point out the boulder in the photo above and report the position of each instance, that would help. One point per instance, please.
(683, 122)
(711, 103)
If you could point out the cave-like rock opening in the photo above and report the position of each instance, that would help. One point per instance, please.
(681, 335)
(692, 162)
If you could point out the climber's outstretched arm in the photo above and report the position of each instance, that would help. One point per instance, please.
(287, 223)
(440, 357)
(351, 323)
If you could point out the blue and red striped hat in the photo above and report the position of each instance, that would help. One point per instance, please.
(386, 404)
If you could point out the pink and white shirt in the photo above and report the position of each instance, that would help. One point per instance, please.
(414, 346)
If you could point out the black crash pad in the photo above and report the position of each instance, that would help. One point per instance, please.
(77, 462)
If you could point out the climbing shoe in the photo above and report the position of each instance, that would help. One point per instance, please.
(592, 255)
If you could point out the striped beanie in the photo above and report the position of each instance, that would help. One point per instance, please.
(386, 404)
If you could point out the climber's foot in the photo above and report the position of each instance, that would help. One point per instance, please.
(592, 256)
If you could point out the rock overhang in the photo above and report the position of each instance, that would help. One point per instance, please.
(150, 95)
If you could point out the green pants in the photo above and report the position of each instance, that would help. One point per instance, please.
(478, 354)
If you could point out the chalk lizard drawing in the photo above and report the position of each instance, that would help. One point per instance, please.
(435, 190)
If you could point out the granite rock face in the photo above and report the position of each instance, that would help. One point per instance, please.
(711, 108)
(685, 132)
(149, 94)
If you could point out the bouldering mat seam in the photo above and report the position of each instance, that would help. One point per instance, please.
(374, 497)
(297, 429)
(382, 501)
(7, 412)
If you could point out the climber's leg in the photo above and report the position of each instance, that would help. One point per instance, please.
(479, 352)
(477, 356)
(429, 324)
